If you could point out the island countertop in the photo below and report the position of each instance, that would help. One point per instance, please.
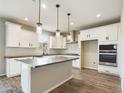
(48, 60)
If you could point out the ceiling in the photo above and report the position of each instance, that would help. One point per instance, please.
(83, 12)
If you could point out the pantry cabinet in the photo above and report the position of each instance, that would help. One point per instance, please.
(103, 33)
(57, 42)
(18, 37)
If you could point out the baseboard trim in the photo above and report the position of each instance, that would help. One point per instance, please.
(113, 74)
(91, 68)
(76, 67)
(58, 85)
(2, 75)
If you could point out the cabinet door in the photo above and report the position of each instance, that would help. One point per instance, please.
(93, 34)
(29, 39)
(33, 42)
(109, 33)
(112, 32)
(13, 68)
(57, 42)
(84, 35)
(25, 39)
(52, 42)
(64, 42)
(13, 33)
(90, 34)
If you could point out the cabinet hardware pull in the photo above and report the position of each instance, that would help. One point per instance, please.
(19, 43)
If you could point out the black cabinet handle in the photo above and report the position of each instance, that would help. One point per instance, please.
(19, 44)
(107, 37)
(87, 35)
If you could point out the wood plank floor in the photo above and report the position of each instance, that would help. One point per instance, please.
(85, 81)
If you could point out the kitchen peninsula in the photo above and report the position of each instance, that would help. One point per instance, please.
(43, 74)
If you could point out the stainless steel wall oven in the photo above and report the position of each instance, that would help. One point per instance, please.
(108, 55)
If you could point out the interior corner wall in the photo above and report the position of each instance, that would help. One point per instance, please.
(121, 48)
(90, 55)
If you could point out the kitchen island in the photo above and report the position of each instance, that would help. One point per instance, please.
(43, 74)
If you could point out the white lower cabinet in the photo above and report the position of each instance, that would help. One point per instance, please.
(13, 68)
(76, 64)
(108, 70)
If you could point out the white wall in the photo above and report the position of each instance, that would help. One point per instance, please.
(121, 48)
(2, 47)
(90, 54)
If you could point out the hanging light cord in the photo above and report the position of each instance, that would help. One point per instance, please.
(68, 22)
(39, 9)
(57, 6)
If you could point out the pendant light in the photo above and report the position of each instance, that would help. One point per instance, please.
(69, 34)
(39, 24)
(57, 31)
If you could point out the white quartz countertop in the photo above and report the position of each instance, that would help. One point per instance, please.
(48, 60)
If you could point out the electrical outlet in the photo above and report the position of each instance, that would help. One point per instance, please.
(94, 62)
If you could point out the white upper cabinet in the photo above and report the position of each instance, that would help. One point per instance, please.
(103, 33)
(89, 34)
(57, 42)
(13, 34)
(109, 32)
(17, 37)
(29, 39)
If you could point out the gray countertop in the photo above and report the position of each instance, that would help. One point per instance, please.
(21, 56)
(48, 60)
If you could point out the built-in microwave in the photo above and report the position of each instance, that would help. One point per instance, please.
(108, 54)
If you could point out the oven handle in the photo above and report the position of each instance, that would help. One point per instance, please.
(108, 54)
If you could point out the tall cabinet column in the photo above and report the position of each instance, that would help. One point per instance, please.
(2, 47)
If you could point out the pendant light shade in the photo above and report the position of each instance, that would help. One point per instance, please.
(39, 25)
(39, 28)
(69, 38)
(57, 31)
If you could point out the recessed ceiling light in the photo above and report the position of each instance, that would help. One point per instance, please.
(72, 23)
(98, 15)
(26, 19)
(43, 5)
